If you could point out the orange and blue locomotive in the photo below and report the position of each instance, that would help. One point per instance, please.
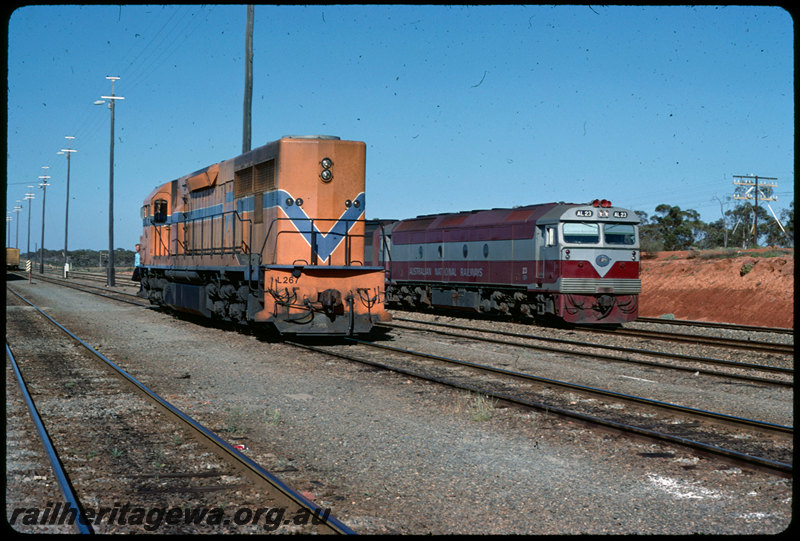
(274, 236)
(577, 263)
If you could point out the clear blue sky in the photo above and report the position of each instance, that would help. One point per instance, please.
(461, 107)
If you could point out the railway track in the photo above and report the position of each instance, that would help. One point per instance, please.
(767, 445)
(750, 343)
(120, 442)
(779, 464)
(780, 374)
(712, 325)
(118, 293)
(684, 362)
(81, 525)
(745, 344)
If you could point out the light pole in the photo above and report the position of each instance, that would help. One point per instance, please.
(17, 209)
(68, 151)
(43, 185)
(8, 229)
(111, 99)
(29, 196)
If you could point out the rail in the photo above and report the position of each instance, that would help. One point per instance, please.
(261, 477)
(71, 498)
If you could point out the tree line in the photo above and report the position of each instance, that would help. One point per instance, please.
(83, 258)
(671, 228)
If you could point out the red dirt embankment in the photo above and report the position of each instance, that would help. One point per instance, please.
(748, 287)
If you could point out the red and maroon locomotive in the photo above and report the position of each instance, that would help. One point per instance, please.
(578, 263)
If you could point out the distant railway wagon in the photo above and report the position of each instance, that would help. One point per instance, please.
(578, 263)
(12, 258)
(274, 236)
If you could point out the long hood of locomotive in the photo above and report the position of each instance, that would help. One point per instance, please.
(326, 242)
(604, 267)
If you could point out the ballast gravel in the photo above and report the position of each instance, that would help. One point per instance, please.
(391, 454)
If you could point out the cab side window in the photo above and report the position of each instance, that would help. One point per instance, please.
(159, 211)
(550, 236)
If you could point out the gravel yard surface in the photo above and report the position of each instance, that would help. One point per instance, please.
(390, 454)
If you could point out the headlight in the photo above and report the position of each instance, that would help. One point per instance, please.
(326, 175)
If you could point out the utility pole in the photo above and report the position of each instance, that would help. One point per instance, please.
(724, 226)
(43, 186)
(111, 100)
(17, 209)
(751, 190)
(248, 80)
(29, 196)
(68, 151)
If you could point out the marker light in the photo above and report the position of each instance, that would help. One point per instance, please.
(605, 203)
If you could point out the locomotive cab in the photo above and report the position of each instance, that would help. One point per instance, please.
(594, 250)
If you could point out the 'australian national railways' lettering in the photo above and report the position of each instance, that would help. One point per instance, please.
(440, 272)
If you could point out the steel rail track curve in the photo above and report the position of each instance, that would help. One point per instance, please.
(585, 388)
(222, 448)
(709, 324)
(758, 461)
(101, 292)
(70, 497)
(714, 341)
(678, 356)
(767, 464)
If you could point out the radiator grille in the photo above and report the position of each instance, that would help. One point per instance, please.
(265, 176)
(243, 182)
(592, 286)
